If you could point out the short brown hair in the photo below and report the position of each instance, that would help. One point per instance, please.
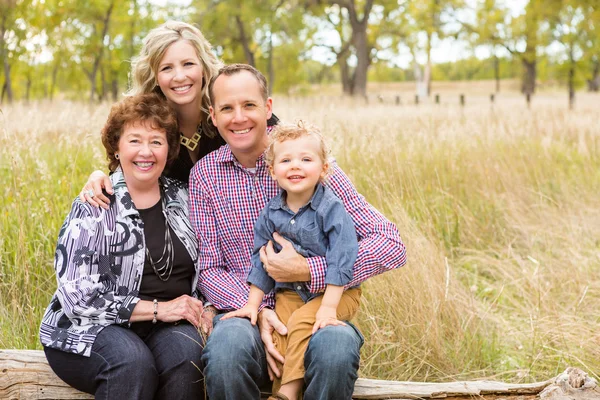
(283, 132)
(144, 108)
(233, 69)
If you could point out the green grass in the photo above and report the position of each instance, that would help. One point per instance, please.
(499, 210)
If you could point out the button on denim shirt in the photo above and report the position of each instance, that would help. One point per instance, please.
(322, 227)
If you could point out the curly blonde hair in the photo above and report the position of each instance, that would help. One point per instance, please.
(283, 132)
(144, 67)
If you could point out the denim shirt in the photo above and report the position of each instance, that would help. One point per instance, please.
(99, 263)
(322, 227)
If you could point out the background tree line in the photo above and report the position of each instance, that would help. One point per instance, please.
(68, 47)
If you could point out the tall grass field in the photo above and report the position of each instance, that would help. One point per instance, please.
(499, 207)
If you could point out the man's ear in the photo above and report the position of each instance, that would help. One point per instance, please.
(211, 111)
(269, 107)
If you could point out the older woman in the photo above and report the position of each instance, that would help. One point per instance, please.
(124, 320)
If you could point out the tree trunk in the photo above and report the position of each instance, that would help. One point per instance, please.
(102, 95)
(270, 68)
(245, 42)
(497, 73)
(359, 87)
(134, 18)
(427, 75)
(594, 83)
(54, 77)
(571, 78)
(7, 89)
(27, 88)
(529, 76)
(345, 76)
(98, 57)
(361, 46)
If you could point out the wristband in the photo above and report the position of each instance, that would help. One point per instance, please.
(155, 304)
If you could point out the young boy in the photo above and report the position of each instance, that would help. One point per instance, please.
(315, 221)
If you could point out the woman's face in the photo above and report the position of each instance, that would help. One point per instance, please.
(143, 153)
(179, 75)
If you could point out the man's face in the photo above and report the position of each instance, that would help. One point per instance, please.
(240, 114)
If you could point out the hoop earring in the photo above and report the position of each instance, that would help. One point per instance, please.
(117, 156)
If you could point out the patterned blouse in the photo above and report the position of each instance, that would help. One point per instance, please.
(99, 263)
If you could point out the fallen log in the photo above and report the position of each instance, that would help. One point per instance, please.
(25, 374)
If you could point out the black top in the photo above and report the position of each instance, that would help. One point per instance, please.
(183, 272)
(182, 165)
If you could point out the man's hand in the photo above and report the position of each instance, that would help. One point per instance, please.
(267, 323)
(285, 266)
(206, 319)
(326, 316)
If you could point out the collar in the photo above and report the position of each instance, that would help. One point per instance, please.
(224, 155)
(124, 204)
(279, 203)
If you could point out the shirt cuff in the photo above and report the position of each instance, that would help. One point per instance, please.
(126, 309)
(317, 267)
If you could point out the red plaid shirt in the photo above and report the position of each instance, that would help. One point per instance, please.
(225, 201)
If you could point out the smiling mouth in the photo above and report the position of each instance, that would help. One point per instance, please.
(241, 132)
(182, 88)
(144, 164)
(295, 177)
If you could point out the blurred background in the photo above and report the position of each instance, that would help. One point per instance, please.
(80, 49)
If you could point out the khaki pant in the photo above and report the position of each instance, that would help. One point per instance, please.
(299, 317)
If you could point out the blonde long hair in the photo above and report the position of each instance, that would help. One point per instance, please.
(144, 67)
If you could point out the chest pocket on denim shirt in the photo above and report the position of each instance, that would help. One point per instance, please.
(310, 238)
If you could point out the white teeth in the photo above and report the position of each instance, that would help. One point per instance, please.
(242, 131)
(182, 88)
(295, 177)
(144, 164)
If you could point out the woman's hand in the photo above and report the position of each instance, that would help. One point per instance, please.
(183, 307)
(92, 190)
(326, 316)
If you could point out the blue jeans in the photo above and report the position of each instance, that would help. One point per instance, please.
(235, 364)
(125, 366)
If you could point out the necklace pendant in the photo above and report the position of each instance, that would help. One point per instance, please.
(192, 142)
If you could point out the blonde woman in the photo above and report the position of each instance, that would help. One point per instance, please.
(177, 62)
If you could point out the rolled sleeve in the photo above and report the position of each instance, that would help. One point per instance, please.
(343, 245)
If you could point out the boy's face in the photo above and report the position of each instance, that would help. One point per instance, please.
(297, 165)
(240, 113)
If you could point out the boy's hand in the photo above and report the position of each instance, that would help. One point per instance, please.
(326, 316)
(244, 312)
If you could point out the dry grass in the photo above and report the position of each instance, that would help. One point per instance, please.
(498, 206)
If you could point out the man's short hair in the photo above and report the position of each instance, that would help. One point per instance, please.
(233, 69)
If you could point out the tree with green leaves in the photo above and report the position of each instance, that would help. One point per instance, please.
(13, 32)
(427, 20)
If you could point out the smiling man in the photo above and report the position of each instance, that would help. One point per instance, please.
(228, 190)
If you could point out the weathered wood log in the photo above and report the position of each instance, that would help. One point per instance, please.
(573, 384)
(25, 374)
